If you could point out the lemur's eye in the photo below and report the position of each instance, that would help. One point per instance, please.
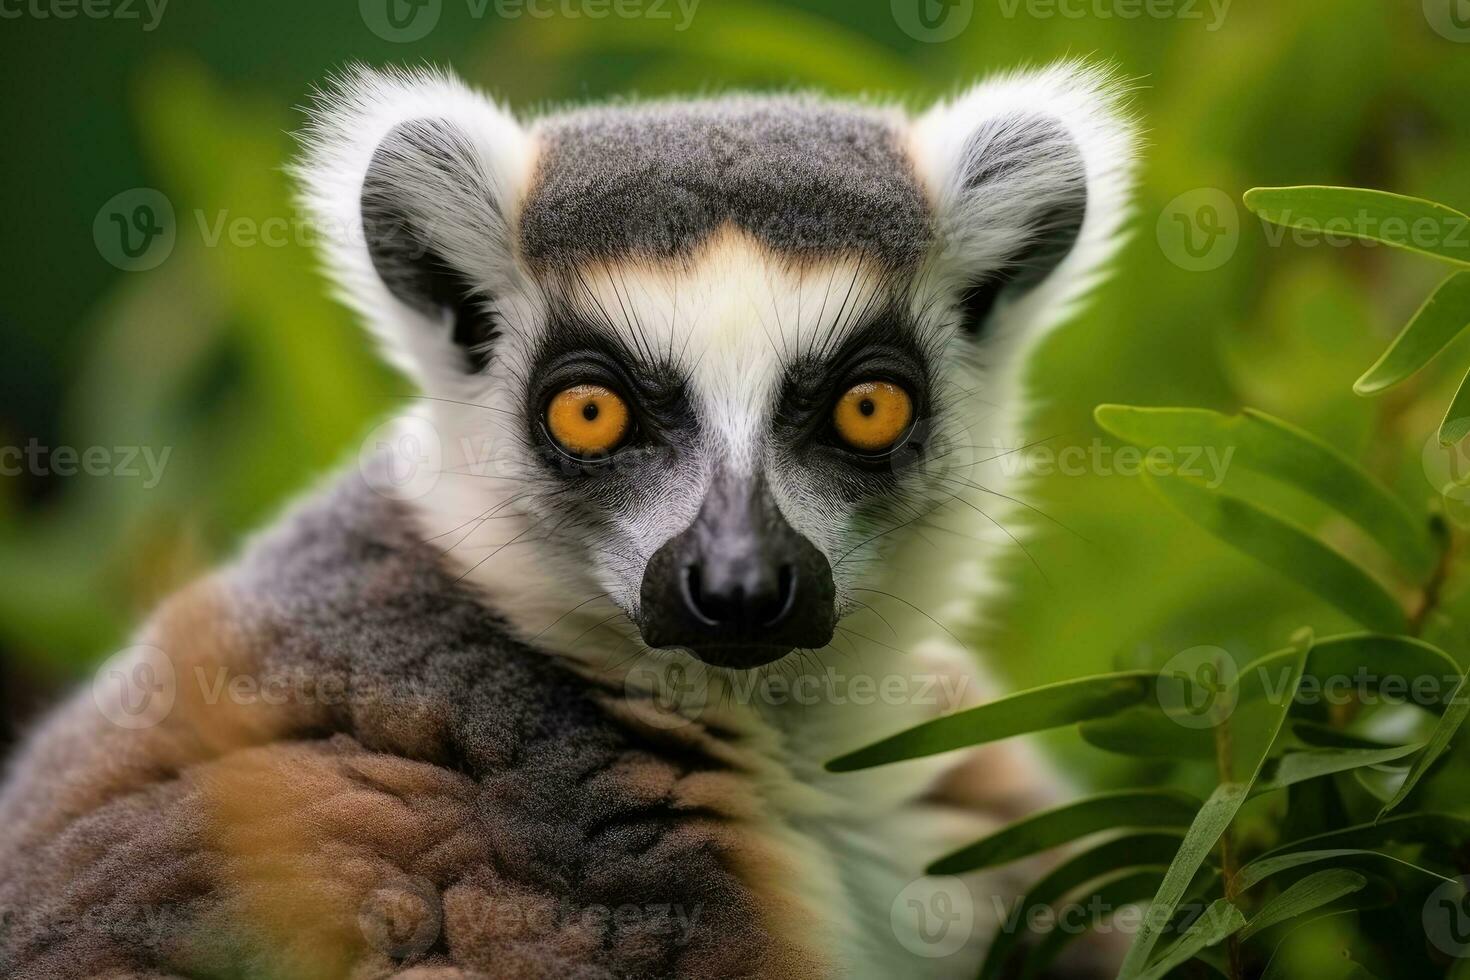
(872, 416)
(588, 420)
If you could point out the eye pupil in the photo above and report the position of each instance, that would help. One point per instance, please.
(867, 407)
(589, 411)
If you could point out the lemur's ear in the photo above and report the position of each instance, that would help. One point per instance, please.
(1029, 175)
(414, 179)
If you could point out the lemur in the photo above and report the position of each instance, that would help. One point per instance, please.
(711, 393)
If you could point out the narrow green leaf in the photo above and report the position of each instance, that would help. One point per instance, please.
(1298, 767)
(1148, 731)
(1262, 868)
(1444, 733)
(1456, 423)
(1441, 829)
(1286, 548)
(1263, 444)
(1410, 223)
(1326, 737)
(1125, 888)
(1035, 710)
(1437, 323)
(1278, 966)
(1049, 828)
(1219, 921)
(1396, 667)
(1109, 857)
(1307, 895)
(1213, 819)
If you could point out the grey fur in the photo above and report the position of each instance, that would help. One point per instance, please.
(805, 176)
(543, 806)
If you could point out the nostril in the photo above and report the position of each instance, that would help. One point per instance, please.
(738, 604)
(785, 596)
(694, 598)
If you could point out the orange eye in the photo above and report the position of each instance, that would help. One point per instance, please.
(588, 420)
(872, 416)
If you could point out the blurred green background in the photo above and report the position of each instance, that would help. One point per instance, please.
(229, 355)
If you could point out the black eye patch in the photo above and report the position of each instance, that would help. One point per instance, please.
(576, 352)
(887, 349)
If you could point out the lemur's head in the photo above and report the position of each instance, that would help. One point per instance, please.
(702, 359)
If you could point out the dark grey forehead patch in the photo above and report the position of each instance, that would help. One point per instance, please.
(804, 176)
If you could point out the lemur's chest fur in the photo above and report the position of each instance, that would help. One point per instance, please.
(403, 784)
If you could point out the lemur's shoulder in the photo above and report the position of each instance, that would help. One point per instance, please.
(362, 772)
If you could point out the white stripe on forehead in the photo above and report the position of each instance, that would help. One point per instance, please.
(731, 319)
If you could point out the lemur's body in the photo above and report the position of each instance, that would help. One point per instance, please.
(473, 732)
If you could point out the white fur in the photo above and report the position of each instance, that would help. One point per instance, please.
(728, 317)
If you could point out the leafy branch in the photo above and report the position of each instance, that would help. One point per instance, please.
(1251, 725)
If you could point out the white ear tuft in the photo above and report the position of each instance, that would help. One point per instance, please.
(413, 180)
(1030, 175)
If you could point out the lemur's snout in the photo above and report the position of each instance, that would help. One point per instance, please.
(740, 587)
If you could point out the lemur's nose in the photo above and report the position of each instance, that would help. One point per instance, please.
(739, 587)
(749, 595)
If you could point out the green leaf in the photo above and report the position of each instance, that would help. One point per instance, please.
(1298, 767)
(1439, 741)
(1061, 824)
(1211, 822)
(1277, 966)
(1035, 710)
(1109, 857)
(1286, 548)
(1150, 732)
(1439, 321)
(1409, 223)
(1326, 737)
(1456, 422)
(1309, 894)
(1219, 921)
(1126, 888)
(1262, 868)
(1442, 829)
(1263, 444)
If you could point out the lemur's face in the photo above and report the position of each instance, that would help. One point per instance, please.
(719, 351)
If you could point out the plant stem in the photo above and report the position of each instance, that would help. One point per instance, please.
(1430, 597)
(1225, 764)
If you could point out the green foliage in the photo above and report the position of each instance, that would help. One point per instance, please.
(1354, 829)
